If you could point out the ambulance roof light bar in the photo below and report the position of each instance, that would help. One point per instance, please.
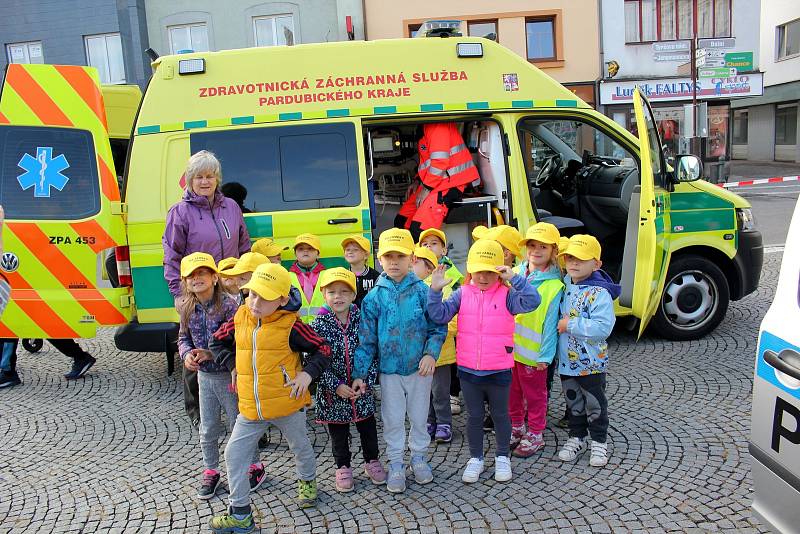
(469, 49)
(192, 66)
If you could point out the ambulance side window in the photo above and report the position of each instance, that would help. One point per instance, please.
(288, 167)
(48, 173)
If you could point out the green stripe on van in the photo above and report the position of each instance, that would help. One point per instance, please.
(149, 129)
(259, 225)
(188, 125)
(431, 107)
(477, 105)
(382, 110)
(243, 120)
(702, 221)
(338, 113)
(290, 116)
(567, 103)
(522, 103)
(366, 221)
(697, 201)
(150, 288)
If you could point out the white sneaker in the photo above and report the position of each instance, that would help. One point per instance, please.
(455, 405)
(473, 470)
(572, 449)
(502, 469)
(599, 456)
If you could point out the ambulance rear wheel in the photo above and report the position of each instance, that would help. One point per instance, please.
(33, 345)
(695, 299)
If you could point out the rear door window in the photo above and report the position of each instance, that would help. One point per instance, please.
(288, 167)
(48, 173)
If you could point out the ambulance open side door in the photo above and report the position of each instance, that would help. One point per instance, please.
(652, 252)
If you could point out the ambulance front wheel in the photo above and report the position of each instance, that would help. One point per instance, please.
(33, 345)
(695, 299)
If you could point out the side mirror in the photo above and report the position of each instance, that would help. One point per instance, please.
(689, 168)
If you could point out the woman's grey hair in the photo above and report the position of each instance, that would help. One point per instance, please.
(200, 163)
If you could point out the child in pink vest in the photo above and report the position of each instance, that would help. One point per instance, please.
(484, 345)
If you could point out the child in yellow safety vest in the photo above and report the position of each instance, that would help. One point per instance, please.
(263, 343)
(535, 340)
(304, 275)
(440, 415)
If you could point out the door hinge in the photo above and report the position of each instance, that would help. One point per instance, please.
(119, 208)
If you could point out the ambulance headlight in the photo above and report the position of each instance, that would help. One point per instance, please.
(192, 66)
(470, 49)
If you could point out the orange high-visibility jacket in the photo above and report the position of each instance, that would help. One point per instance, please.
(444, 160)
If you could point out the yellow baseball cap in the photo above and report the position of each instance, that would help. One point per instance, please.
(247, 263)
(309, 239)
(563, 243)
(226, 264)
(584, 247)
(337, 274)
(435, 232)
(479, 232)
(427, 254)
(270, 281)
(194, 261)
(508, 236)
(268, 247)
(543, 233)
(484, 255)
(395, 240)
(359, 240)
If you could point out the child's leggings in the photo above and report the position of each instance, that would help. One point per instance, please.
(439, 412)
(340, 441)
(528, 397)
(493, 389)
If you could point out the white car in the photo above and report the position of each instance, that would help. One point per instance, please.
(775, 434)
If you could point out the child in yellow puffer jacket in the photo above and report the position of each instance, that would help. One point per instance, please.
(440, 415)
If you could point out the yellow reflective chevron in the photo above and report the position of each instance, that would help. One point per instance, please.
(308, 310)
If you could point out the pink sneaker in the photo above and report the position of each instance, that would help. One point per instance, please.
(529, 445)
(375, 471)
(516, 435)
(344, 479)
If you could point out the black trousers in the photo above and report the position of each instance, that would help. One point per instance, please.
(191, 394)
(69, 348)
(588, 406)
(340, 439)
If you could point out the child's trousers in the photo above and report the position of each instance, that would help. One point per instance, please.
(215, 397)
(244, 441)
(340, 440)
(528, 397)
(439, 412)
(493, 389)
(588, 407)
(400, 396)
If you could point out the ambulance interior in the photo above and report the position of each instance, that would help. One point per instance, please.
(579, 179)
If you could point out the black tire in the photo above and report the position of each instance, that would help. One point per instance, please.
(33, 345)
(695, 299)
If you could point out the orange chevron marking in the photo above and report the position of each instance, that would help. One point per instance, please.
(4, 119)
(36, 98)
(83, 84)
(46, 319)
(108, 181)
(92, 228)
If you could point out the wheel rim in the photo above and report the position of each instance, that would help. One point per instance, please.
(690, 300)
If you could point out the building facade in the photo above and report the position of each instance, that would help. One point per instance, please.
(559, 36)
(765, 128)
(108, 34)
(208, 25)
(648, 43)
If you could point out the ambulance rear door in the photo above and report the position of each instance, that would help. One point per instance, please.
(59, 190)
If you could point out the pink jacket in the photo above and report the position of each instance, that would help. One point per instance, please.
(485, 340)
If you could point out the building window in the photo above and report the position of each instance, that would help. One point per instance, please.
(483, 28)
(786, 124)
(413, 29)
(740, 127)
(189, 37)
(274, 30)
(541, 41)
(30, 52)
(788, 37)
(669, 20)
(104, 52)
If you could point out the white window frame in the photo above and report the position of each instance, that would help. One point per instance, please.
(273, 19)
(780, 41)
(29, 46)
(105, 74)
(188, 27)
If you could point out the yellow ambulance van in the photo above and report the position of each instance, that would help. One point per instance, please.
(324, 139)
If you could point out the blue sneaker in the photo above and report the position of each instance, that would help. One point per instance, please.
(396, 482)
(422, 471)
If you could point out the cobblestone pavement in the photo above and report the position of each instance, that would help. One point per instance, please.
(115, 453)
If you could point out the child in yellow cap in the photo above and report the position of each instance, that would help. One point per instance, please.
(440, 414)
(397, 333)
(204, 307)
(263, 343)
(337, 404)
(356, 250)
(229, 283)
(269, 248)
(436, 240)
(587, 312)
(535, 340)
(484, 345)
(507, 236)
(304, 274)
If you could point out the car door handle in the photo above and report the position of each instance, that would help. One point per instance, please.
(342, 221)
(787, 362)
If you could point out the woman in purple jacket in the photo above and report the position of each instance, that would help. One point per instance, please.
(204, 220)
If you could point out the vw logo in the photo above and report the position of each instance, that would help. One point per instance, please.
(10, 262)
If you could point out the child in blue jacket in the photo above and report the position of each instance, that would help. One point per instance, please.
(587, 320)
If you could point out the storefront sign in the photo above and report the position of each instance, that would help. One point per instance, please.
(741, 61)
(669, 89)
(672, 46)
